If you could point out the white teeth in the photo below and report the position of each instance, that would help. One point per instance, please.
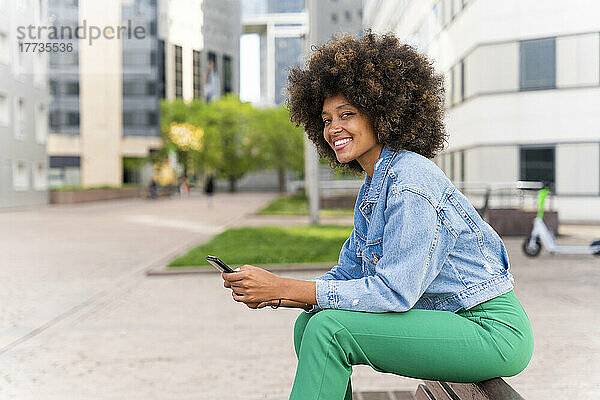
(342, 141)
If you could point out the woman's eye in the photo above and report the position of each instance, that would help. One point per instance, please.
(345, 115)
(326, 121)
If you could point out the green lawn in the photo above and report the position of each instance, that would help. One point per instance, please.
(297, 204)
(270, 245)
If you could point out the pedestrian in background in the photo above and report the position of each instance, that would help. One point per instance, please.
(153, 188)
(184, 187)
(209, 189)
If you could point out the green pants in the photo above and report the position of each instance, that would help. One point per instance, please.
(490, 340)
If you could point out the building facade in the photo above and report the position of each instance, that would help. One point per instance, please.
(199, 48)
(24, 103)
(330, 17)
(105, 100)
(523, 89)
(282, 27)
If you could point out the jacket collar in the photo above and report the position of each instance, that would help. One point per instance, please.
(380, 171)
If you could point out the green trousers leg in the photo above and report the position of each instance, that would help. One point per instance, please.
(299, 328)
(490, 340)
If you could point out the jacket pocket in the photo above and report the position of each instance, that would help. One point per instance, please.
(372, 254)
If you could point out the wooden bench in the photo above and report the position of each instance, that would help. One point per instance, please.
(493, 389)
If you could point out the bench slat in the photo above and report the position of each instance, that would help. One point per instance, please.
(423, 393)
(492, 389)
(440, 390)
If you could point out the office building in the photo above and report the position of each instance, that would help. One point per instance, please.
(105, 100)
(523, 90)
(199, 48)
(282, 27)
(23, 108)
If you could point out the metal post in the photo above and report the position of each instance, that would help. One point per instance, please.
(311, 157)
(311, 179)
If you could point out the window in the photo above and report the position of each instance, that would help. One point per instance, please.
(72, 88)
(348, 16)
(19, 62)
(4, 49)
(151, 88)
(41, 124)
(462, 166)
(20, 119)
(53, 87)
(55, 120)
(452, 86)
(178, 72)
(73, 119)
(462, 80)
(64, 170)
(39, 69)
(152, 28)
(334, 18)
(161, 69)
(537, 64)
(538, 164)
(40, 177)
(20, 175)
(151, 118)
(197, 74)
(139, 118)
(212, 88)
(4, 114)
(226, 74)
(139, 88)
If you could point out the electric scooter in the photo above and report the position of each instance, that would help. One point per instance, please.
(542, 236)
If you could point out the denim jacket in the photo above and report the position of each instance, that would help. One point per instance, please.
(417, 242)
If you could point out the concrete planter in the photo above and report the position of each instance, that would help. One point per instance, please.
(510, 222)
(82, 196)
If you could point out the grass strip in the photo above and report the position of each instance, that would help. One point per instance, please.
(297, 204)
(270, 245)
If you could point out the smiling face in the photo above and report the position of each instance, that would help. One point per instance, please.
(350, 133)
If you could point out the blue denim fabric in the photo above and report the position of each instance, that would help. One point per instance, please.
(417, 242)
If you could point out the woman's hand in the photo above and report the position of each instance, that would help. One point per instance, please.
(253, 286)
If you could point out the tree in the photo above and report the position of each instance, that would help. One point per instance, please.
(228, 136)
(280, 142)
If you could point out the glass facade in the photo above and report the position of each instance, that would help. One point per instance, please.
(178, 71)
(288, 53)
(63, 70)
(141, 89)
(197, 74)
(227, 84)
(258, 7)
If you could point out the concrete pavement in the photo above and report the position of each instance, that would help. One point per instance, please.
(80, 320)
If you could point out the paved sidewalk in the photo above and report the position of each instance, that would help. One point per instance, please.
(80, 320)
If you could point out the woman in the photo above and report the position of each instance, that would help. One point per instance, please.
(422, 287)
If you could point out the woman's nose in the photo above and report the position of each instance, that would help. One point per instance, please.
(334, 128)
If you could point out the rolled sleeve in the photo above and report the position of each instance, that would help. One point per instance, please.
(415, 246)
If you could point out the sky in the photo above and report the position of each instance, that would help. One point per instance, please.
(250, 68)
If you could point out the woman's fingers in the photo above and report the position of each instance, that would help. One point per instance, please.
(240, 298)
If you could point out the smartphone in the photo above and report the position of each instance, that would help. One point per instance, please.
(218, 264)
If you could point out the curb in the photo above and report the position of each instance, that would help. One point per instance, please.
(163, 270)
